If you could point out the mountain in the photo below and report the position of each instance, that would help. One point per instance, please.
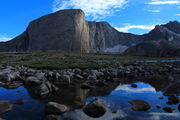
(164, 40)
(67, 30)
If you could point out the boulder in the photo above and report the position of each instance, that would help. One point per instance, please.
(56, 108)
(40, 76)
(168, 109)
(173, 99)
(52, 117)
(95, 109)
(66, 79)
(5, 106)
(134, 85)
(139, 105)
(32, 81)
(20, 101)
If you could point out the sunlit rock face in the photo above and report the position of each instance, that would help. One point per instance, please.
(68, 31)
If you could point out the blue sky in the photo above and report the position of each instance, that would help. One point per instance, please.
(135, 16)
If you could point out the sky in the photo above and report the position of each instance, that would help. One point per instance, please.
(133, 16)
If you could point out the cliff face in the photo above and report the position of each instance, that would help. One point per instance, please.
(64, 30)
(67, 30)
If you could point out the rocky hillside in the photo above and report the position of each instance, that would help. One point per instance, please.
(164, 40)
(67, 30)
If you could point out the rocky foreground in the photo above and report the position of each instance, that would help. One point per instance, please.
(42, 83)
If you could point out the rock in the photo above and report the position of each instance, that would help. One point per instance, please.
(5, 106)
(92, 77)
(66, 79)
(168, 109)
(56, 108)
(20, 101)
(13, 85)
(79, 77)
(85, 86)
(40, 76)
(20, 91)
(100, 84)
(176, 70)
(169, 103)
(173, 99)
(78, 71)
(43, 89)
(32, 81)
(161, 98)
(95, 109)
(158, 106)
(52, 117)
(139, 105)
(134, 85)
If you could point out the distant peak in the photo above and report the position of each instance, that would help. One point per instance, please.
(70, 11)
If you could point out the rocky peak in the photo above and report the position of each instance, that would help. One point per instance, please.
(173, 26)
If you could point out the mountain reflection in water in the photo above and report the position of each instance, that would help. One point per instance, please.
(116, 96)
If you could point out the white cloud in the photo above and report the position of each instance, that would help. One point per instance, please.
(163, 2)
(93, 8)
(178, 14)
(155, 11)
(4, 38)
(128, 27)
(139, 90)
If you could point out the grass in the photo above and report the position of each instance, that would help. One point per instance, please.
(59, 60)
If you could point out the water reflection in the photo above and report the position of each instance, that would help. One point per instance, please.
(115, 95)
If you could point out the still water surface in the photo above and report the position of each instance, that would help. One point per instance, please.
(117, 100)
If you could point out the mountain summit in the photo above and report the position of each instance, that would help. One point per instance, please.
(67, 30)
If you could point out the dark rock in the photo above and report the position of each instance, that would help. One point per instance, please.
(168, 109)
(32, 81)
(161, 98)
(101, 84)
(158, 106)
(56, 108)
(134, 86)
(169, 103)
(95, 109)
(52, 117)
(85, 86)
(20, 91)
(5, 106)
(19, 101)
(174, 99)
(139, 105)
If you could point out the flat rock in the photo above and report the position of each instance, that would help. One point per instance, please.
(168, 109)
(139, 105)
(56, 108)
(5, 106)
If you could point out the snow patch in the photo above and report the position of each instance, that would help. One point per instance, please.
(171, 38)
(116, 49)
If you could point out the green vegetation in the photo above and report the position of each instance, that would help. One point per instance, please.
(59, 60)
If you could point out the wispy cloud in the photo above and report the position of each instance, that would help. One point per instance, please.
(4, 38)
(178, 14)
(93, 8)
(139, 90)
(129, 27)
(155, 11)
(163, 2)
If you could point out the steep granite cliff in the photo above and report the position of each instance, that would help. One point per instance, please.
(67, 30)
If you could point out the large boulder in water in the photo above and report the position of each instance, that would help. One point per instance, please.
(95, 109)
(5, 106)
